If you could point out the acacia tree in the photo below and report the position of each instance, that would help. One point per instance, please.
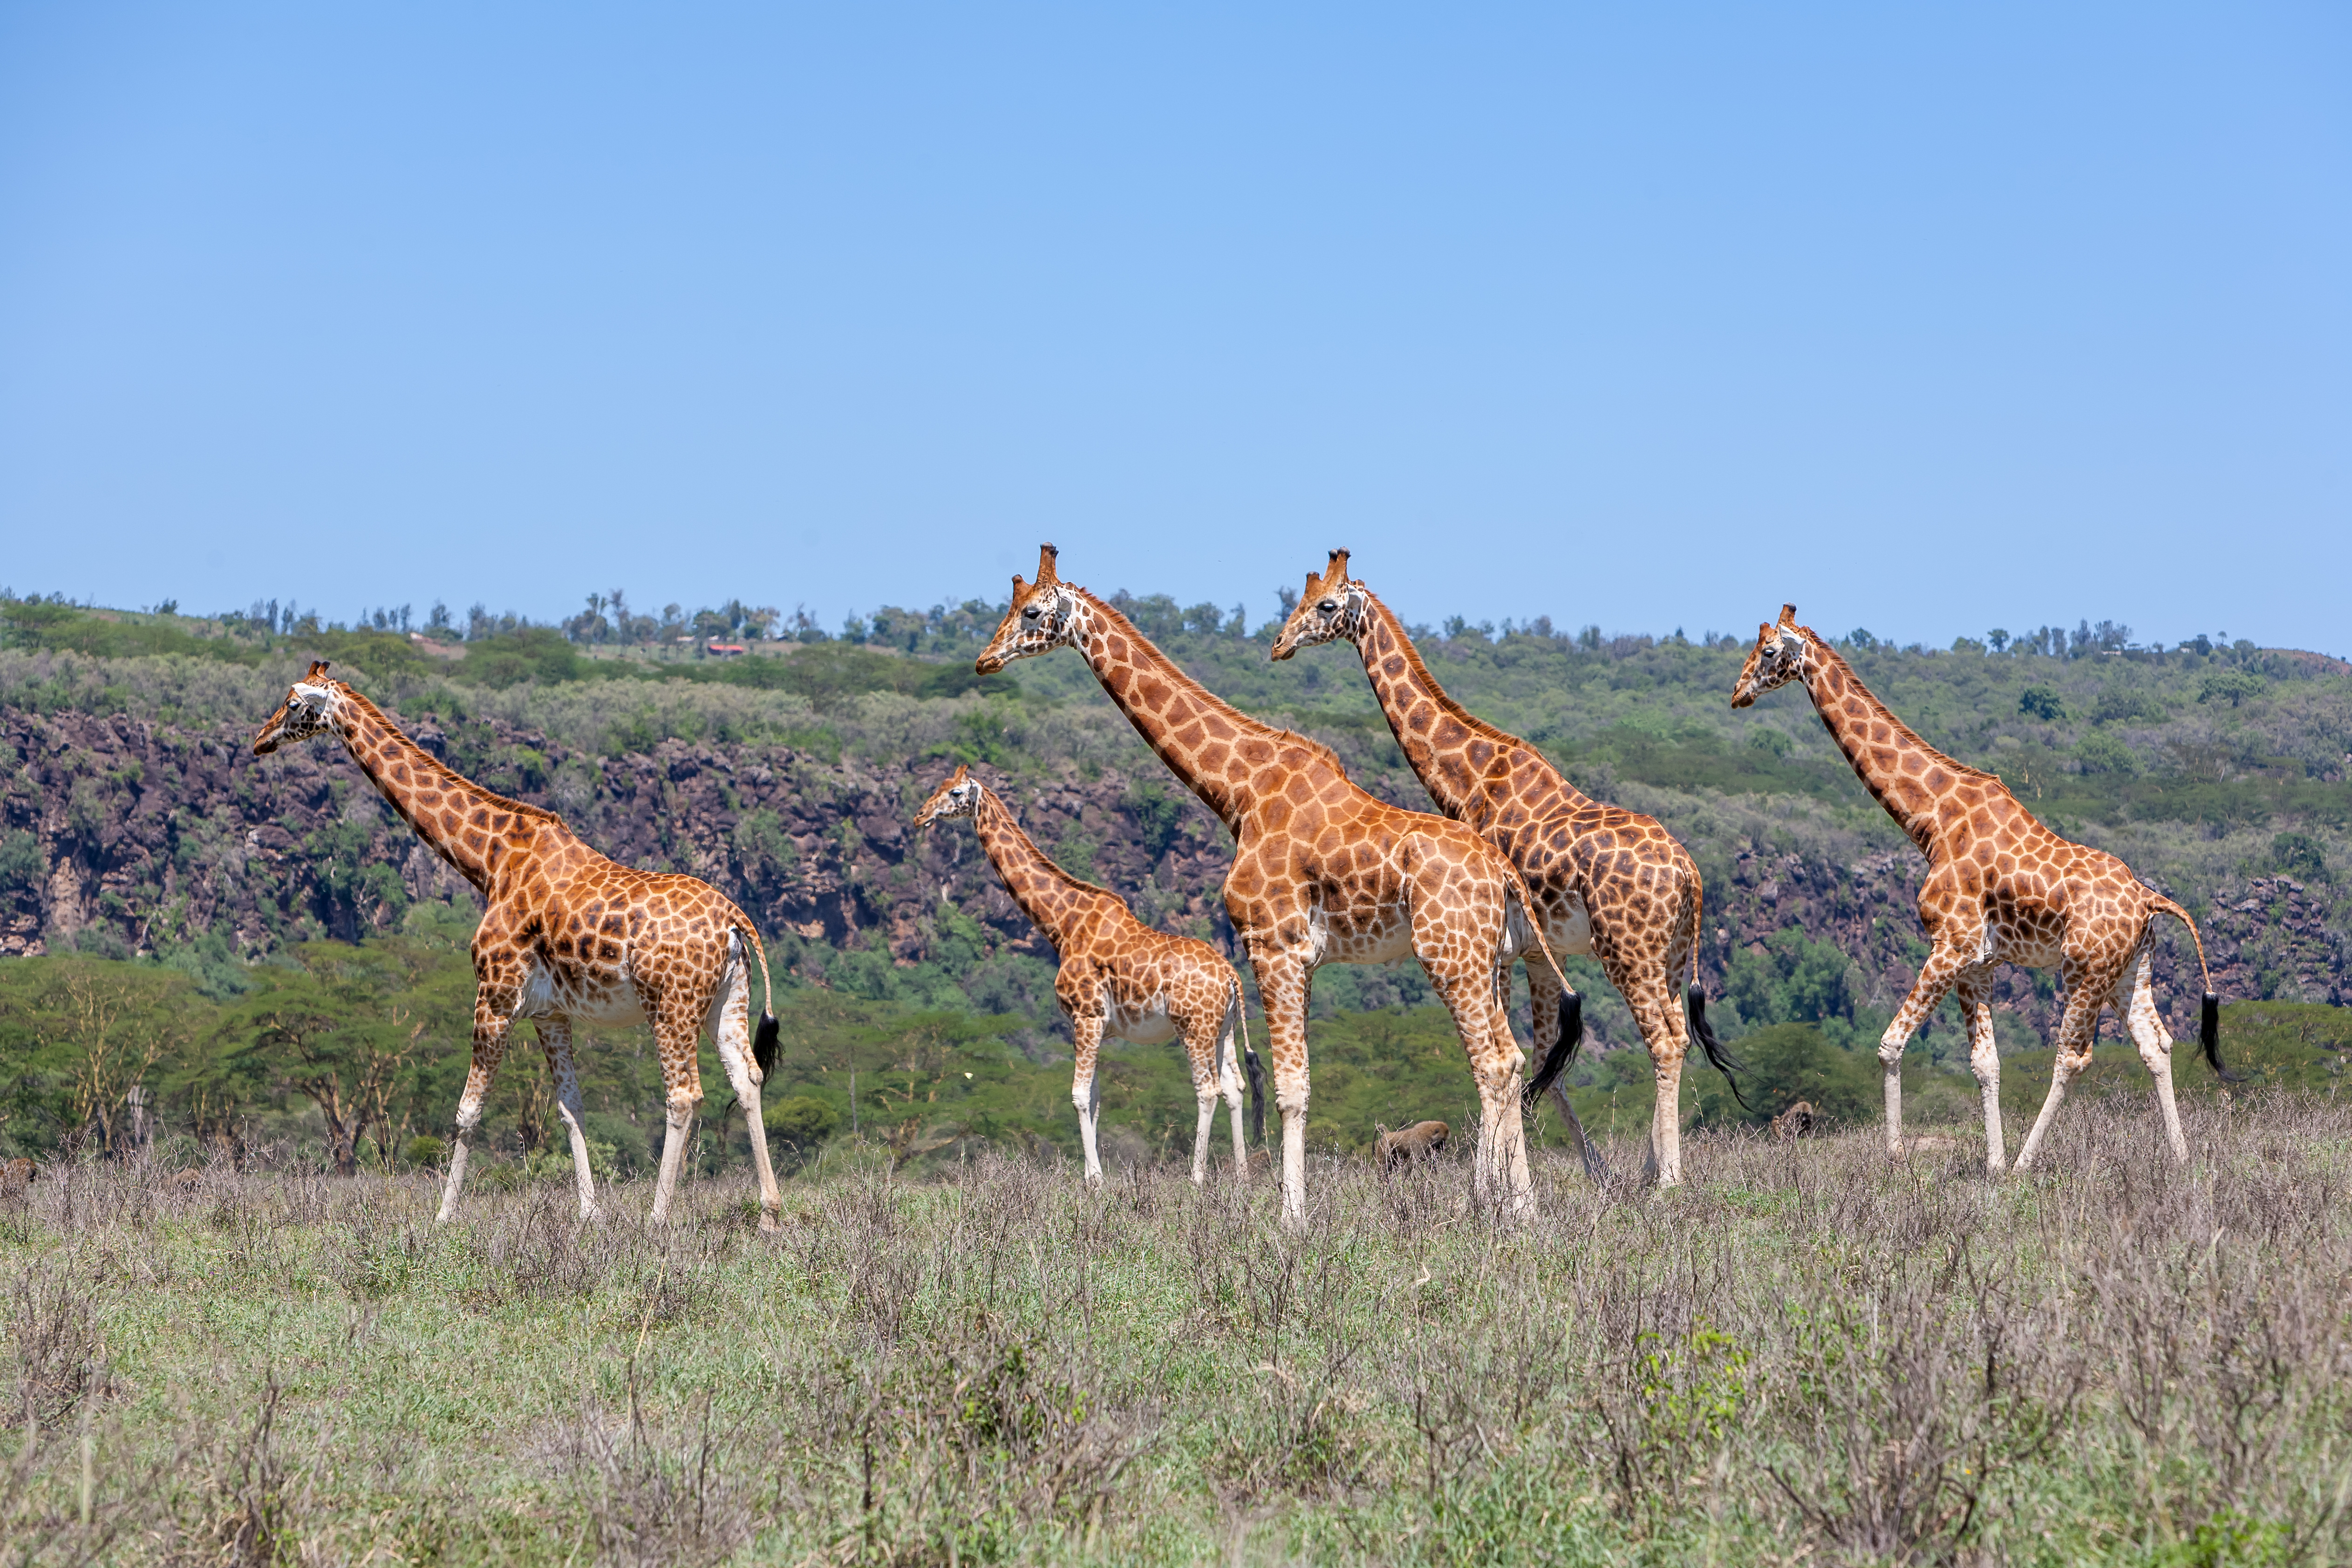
(346, 1028)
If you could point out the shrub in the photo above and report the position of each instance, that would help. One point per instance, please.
(425, 1149)
(2100, 753)
(803, 1122)
(2041, 702)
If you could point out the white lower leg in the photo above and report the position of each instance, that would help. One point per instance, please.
(1519, 1192)
(1894, 1065)
(2061, 1069)
(1208, 1107)
(1666, 1126)
(456, 1183)
(583, 1178)
(1088, 1100)
(771, 1201)
(680, 1117)
(1294, 1163)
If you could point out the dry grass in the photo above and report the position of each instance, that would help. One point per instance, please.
(1810, 1353)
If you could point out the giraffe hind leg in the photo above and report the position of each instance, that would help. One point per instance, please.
(555, 1039)
(731, 1027)
(2078, 1031)
(2135, 999)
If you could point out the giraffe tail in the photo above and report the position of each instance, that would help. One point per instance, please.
(764, 1042)
(2209, 1020)
(1563, 1054)
(1251, 1066)
(1695, 1003)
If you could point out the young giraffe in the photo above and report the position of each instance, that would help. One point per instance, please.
(1119, 977)
(1323, 873)
(565, 934)
(1610, 882)
(2000, 888)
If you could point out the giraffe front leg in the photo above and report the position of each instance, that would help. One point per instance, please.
(732, 1028)
(1936, 976)
(676, 1039)
(2078, 1031)
(555, 1039)
(1283, 985)
(2136, 1004)
(1975, 990)
(497, 995)
(1086, 1089)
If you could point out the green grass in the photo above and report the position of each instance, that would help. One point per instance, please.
(1810, 1353)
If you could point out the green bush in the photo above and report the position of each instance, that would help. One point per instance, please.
(2100, 753)
(1789, 1062)
(2041, 702)
(425, 1149)
(803, 1122)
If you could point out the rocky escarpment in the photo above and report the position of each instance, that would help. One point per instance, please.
(123, 835)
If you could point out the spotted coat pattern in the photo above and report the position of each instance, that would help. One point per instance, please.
(1119, 979)
(2000, 888)
(1608, 881)
(1323, 871)
(566, 934)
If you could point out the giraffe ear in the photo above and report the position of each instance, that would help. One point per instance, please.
(1788, 614)
(1046, 555)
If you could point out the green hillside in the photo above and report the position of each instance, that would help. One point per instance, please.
(2217, 771)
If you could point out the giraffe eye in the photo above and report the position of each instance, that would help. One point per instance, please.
(1328, 605)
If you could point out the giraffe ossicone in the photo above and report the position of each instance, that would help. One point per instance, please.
(1322, 873)
(1606, 881)
(566, 934)
(2000, 888)
(1119, 978)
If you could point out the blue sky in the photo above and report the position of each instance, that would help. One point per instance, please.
(1930, 317)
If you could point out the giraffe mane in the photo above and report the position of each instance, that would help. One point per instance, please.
(1453, 709)
(1901, 730)
(520, 807)
(1052, 865)
(1215, 703)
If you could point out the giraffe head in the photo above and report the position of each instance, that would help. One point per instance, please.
(958, 795)
(1782, 651)
(1332, 607)
(1045, 615)
(308, 707)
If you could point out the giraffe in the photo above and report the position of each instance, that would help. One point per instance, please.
(2000, 888)
(1608, 881)
(1119, 977)
(1323, 872)
(566, 934)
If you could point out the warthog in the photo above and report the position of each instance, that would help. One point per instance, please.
(1794, 1122)
(1421, 1141)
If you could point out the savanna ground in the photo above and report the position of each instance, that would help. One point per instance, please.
(1811, 1351)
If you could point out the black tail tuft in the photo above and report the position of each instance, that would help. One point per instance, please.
(1256, 1072)
(2208, 1035)
(1558, 1058)
(763, 1044)
(1695, 1002)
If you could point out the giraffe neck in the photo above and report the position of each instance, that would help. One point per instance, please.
(475, 831)
(1216, 749)
(1456, 752)
(1905, 774)
(1054, 901)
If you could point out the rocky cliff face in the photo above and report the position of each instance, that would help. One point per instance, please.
(118, 836)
